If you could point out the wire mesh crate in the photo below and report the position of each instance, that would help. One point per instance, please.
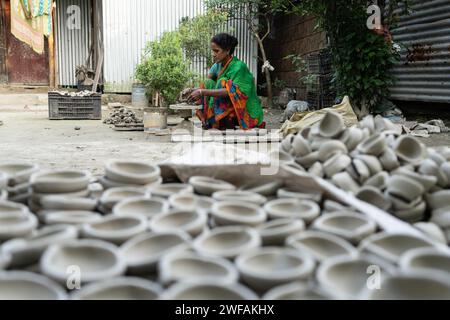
(320, 84)
(319, 63)
(63, 107)
(317, 100)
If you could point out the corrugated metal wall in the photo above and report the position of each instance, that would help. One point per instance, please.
(128, 25)
(424, 72)
(72, 44)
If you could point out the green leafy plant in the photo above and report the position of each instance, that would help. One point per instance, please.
(164, 68)
(362, 59)
(196, 33)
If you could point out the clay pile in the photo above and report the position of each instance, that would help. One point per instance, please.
(85, 93)
(207, 239)
(122, 116)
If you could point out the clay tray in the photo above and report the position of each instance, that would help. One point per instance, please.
(129, 127)
(231, 137)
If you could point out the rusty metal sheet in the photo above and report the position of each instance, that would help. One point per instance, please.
(424, 71)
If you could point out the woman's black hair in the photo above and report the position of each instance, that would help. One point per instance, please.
(226, 41)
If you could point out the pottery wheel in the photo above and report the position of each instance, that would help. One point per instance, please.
(185, 111)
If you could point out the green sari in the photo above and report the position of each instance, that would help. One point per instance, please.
(242, 106)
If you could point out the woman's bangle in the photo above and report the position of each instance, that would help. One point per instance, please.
(201, 92)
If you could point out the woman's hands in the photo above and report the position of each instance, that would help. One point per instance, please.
(195, 95)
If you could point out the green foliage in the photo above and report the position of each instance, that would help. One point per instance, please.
(279, 84)
(164, 68)
(362, 59)
(301, 67)
(196, 33)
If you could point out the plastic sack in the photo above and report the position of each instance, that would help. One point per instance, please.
(302, 120)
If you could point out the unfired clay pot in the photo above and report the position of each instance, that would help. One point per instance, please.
(293, 209)
(191, 222)
(17, 285)
(295, 291)
(143, 252)
(409, 150)
(63, 203)
(132, 172)
(347, 277)
(207, 186)
(432, 230)
(191, 202)
(169, 189)
(233, 213)
(142, 206)
(375, 145)
(5, 260)
(113, 196)
(439, 200)
(331, 125)
(27, 251)
(3, 195)
(18, 173)
(227, 242)
(414, 286)
(350, 226)
(321, 245)
(427, 259)
(208, 290)
(275, 232)
(97, 260)
(374, 196)
(4, 178)
(125, 288)
(265, 268)
(404, 188)
(265, 189)
(15, 221)
(61, 181)
(116, 229)
(391, 247)
(192, 267)
(75, 218)
(251, 197)
(331, 148)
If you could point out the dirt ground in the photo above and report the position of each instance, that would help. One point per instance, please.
(28, 135)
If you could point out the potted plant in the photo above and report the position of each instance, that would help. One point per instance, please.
(165, 73)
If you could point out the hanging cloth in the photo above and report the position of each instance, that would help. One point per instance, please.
(31, 20)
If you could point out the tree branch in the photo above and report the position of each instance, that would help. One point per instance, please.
(268, 29)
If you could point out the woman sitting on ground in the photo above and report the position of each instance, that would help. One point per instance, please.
(228, 96)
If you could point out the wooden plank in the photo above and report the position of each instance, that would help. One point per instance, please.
(3, 73)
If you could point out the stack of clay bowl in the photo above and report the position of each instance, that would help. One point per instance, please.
(15, 221)
(208, 239)
(14, 181)
(60, 191)
(379, 165)
(130, 174)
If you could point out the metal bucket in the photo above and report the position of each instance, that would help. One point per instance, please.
(138, 96)
(155, 119)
